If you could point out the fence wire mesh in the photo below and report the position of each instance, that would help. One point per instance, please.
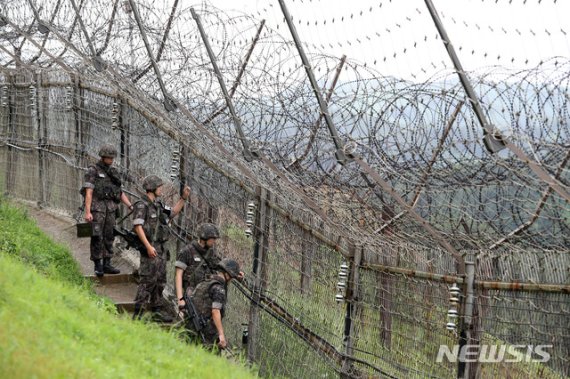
(418, 201)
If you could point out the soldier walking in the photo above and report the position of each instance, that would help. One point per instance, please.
(102, 191)
(209, 299)
(150, 222)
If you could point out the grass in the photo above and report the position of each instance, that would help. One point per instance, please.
(20, 237)
(53, 326)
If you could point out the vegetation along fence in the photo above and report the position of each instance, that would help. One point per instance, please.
(387, 225)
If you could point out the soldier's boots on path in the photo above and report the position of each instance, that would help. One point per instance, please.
(99, 270)
(159, 315)
(137, 315)
(108, 268)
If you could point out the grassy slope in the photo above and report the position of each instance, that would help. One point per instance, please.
(53, 326)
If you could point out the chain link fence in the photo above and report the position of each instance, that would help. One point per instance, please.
(419, 250)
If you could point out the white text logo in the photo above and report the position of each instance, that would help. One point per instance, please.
(494, 353)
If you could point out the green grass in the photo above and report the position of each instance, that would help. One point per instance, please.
(53, 326)
(20, 237)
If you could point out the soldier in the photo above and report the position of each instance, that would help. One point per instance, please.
(196, 261)
(102, 191)
(150, 223)
(209, 299)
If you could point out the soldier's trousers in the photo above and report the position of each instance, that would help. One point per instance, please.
(211, 337)
(102, 238)
(209, 333)
(152, 273)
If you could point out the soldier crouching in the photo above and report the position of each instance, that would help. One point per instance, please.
(209, 302)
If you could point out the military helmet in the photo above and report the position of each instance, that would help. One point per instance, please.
(207, 231)
(151, 183)
(108, 151)
(230, 266)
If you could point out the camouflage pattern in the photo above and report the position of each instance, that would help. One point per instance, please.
(102, 238)
(151, 183)
(108, 151)
(152, 277)
(230, 266)
(210, 294)
(106, 186)
(152, 216)
(105, 181)
(197, 264)
(207, 231)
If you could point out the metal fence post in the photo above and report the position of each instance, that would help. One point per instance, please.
(117, 115)
(467, 369)
(74, 96)
(42, 140)
(261, 247)
(74, 105)
(248, 152)
(11, 134)
(182, 217)
(168, 103)
(117, 123)
(239, 75)
(340, 155)
(306, 263)
(493, 140)
(385, 298)
(351, 310)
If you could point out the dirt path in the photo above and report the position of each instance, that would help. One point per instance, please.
(119, 288)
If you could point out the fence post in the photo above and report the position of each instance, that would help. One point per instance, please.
(74, 99)
(239, 75)
(42, 141)
(306, 263)
(168, 104)
(10, 131)
(74, 102)
(467, 370)
(249, 154)
(351, 297)
(339, 153)
(384, 299)
(261, 247)
(187, 209)
(117, 123)
(117, 116)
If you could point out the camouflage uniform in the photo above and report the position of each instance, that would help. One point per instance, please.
(197, 263)
(106, 184)
(154, 217)
(210, 294)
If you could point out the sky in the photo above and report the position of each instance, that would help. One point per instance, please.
(399, 37)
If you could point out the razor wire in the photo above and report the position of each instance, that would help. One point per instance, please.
(418, 133)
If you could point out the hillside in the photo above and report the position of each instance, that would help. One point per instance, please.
(52, 325)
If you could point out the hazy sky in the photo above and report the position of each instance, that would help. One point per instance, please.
(396, 37)
(399, 38)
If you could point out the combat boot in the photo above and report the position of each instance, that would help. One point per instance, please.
(99, 271)
(108, 268)
(138, 312)
(159, 315)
